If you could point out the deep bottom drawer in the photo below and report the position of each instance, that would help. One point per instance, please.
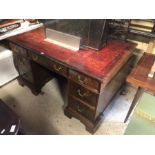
(81, 109)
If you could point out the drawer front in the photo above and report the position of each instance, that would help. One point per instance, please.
(84, 80)
(84, 94)
(23, 67)
(49, 64)
(18, 49)
(81, 109)
(40, 58)
(58, 68)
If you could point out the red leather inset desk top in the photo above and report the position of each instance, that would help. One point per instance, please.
(95, 63)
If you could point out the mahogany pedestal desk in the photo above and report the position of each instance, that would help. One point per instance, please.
(94, 77)
(139, 77)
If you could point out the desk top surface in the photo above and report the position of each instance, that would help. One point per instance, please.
(139, 75)
(97, 64)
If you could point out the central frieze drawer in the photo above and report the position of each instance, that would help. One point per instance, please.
(48, 63)
(83, 94)
(84, 80)
(40, 58)
(58, 68)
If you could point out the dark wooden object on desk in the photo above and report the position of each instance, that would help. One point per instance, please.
(139, 77)
(8, 119)
(94, 77)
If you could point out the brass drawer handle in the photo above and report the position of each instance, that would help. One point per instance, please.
(15, 49)
(79, 109)
(57, 68)
(35, 58)
(82, 81)
(82, 94)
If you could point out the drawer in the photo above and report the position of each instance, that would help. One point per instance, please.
(84, 80)
(83, 94)
(81, 109)
(23, 66)
(48, 63)
(18, 49)
(40, 58)
(58, 68)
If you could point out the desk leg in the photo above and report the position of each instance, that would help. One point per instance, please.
(138, 94)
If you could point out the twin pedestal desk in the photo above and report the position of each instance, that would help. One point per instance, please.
(94, 77)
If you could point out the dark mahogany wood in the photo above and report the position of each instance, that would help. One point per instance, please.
(83, 80)
(139, 77)
(19, 50)
(83, 94)
(81, 108)
(31, 74)
(96, 103)
(48, 63)
(94, 77)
